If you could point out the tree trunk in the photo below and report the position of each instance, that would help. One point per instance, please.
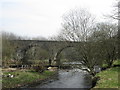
(50, 62)
(58, 63)
(110, 64)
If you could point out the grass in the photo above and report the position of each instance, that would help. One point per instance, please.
(117, 62)
(24, 77)
(109, 78)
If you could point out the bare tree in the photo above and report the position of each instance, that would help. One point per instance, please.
(90, 55)
(116, 16)
(116, 11)
(106, 33)
(77, 25)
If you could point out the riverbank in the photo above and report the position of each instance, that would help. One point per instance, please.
(109, 77)
(23, 78)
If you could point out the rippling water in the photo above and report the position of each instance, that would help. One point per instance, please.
(74, 78)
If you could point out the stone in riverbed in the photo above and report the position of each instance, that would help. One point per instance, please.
(52, 68)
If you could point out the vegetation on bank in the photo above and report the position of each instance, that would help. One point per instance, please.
(25, 78)
(109, 78)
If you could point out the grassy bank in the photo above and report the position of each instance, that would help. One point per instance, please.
(24, 77)
(109, 78)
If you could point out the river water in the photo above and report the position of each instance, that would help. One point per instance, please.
(74, 78)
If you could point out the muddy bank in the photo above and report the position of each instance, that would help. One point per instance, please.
(94, 81)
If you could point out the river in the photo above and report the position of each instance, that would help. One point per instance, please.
(74, 78)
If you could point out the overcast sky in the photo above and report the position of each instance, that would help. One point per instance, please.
(43, 17)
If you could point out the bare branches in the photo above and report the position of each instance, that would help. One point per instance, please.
(116, 11)
(77, 25)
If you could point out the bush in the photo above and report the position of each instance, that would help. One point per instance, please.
(39, 67)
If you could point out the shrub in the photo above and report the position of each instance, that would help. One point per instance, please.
(39, 67)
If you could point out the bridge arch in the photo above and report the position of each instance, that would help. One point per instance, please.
(22, 52)
(57, 58)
